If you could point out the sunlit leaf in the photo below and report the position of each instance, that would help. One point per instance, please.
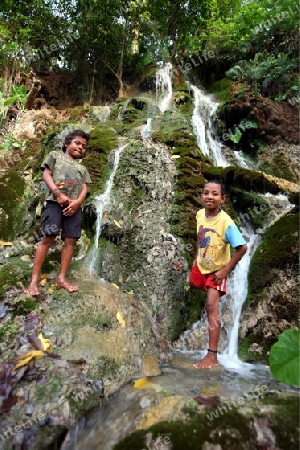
(284, 357)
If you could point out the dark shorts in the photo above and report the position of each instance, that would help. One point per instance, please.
(204, 281)
(53, 220)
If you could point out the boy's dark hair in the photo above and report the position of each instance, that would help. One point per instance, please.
(72, 135)
(223, 189)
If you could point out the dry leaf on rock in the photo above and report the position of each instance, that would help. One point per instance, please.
(120, 319)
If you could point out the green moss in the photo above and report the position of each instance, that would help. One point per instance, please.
(228, 430)
(246, 355)
(247, 180)
(102, 142)
(222, 89)
(79, 112)
(24, 307)
(278, 249)
(48, 391)
(279, 167)
(254, 207)
(8, 331)
(15, 271)
(194, 306)
(13, 210)
(286, 421)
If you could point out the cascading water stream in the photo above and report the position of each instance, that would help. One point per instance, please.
(164, 89)
(102, 201)
(204, 109)
(238, 288)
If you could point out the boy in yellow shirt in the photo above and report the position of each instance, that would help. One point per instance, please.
(216, 232)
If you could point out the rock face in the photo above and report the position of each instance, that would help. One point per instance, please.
(137, 250)
(101, 339)
(272, 303)
(275, 122)
(283, 159)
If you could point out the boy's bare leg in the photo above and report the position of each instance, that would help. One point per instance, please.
(40, 256)
(214, 327)
(66, 257)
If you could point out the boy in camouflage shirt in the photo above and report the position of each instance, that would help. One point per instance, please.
(66, 180)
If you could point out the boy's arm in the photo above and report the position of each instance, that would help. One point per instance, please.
(240, 250)
(62, 199)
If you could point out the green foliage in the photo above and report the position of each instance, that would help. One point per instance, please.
(3, 110)
(11, 143)
(17, 97)
(244, 124)
(256, 42)
(265, 70)
(285, 357)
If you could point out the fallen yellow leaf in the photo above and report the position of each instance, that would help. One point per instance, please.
(142, 383)
(47, 344)
(44, 275)
(5, 243)
(117, 224)
(115, 285)
(43, 282)
(120, 319)
(24, 359)
(175, 156)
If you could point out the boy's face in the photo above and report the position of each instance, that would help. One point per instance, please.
(211, 196)
(77, 148)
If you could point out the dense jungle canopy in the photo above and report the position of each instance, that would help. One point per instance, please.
(107, 44)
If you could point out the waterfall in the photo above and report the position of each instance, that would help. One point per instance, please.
(237, 286)
(101, 202)
(164, 87)
(204, 109)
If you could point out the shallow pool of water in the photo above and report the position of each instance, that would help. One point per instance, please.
(125, 411)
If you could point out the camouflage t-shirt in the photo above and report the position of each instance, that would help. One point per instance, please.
(67, 173)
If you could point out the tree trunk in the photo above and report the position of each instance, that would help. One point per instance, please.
(35, 89)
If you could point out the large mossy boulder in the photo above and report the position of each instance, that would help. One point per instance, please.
(272, 303)
(136, 250)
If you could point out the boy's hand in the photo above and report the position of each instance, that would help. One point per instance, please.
(63, 200)
(218, 276)
(71, 208)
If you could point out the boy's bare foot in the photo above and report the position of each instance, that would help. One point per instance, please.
(209, 361)
(32, 289)
(63, 283)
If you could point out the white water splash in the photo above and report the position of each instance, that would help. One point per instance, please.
(146, 131)
(164, 89)
(241, 161)
(102, 201)
(204, 109)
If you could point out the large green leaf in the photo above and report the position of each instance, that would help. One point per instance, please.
(284, 357)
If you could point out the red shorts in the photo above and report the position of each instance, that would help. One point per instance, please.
(204, 281)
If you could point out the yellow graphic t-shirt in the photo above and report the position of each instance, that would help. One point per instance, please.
(214, 238)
